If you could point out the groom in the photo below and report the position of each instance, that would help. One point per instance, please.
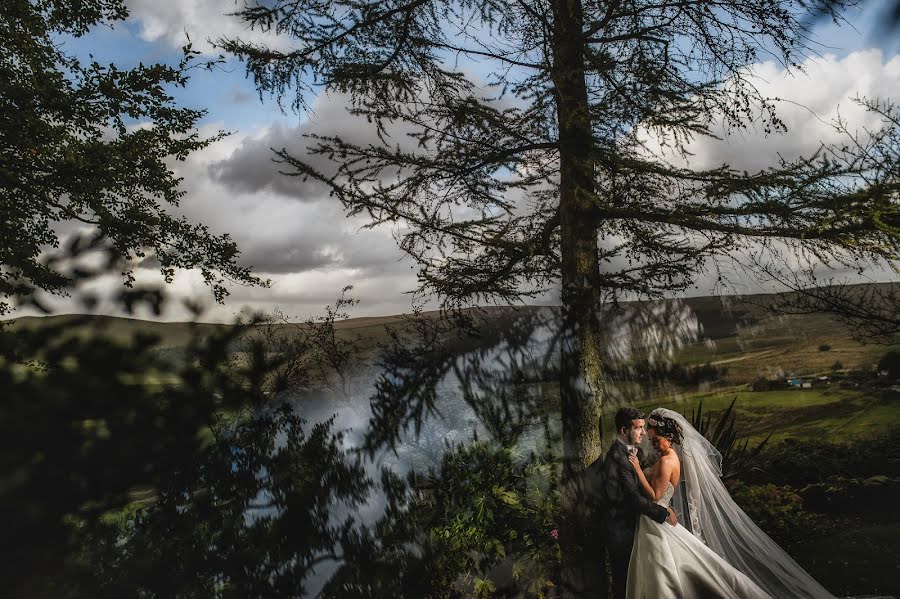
(622, 499)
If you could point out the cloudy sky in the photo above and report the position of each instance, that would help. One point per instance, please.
(295, 235)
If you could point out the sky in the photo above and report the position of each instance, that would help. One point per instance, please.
(295, 235)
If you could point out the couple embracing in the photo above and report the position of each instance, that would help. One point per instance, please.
(673, 531)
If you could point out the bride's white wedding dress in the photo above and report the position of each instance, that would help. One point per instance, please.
(670, 562)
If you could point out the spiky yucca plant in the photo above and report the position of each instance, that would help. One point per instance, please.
(724, 434)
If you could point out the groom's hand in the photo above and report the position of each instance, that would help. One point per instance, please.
(672, 518)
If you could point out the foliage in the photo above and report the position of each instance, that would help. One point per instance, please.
(82, 432)
(310, 353)
(258, 515)
(764, 384)
(215, 486)
(675, 372)
(777, 510)
(253, 516)
(86, 144)
(486, 506)
(801, 463)
(872, 495)
(725, 436)
(113, 486)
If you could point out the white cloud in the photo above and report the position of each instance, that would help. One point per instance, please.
(304, 243)
(294, 234)
(202, 20)
(809, 101)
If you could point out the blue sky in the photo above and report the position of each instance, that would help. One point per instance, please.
(231, 98)
(225, 92)
(304, 243)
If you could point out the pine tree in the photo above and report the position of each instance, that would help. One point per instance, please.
(539, 173)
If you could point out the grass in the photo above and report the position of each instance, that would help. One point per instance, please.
(833, 415)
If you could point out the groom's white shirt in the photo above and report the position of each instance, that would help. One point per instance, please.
(630, 448)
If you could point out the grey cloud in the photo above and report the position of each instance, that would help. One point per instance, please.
(320, 243)
(253, 167)
(277, 234)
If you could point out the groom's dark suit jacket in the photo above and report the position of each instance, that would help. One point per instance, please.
(622, 501)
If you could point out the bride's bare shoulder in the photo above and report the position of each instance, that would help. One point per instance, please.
(668, 462)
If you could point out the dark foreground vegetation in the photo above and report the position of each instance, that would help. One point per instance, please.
(132, 470)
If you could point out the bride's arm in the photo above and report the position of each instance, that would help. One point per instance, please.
(642, 480)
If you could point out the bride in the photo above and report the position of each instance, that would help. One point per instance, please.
(724, 554)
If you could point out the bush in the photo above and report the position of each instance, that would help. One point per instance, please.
(777, 510)
(674, 372)
(726, 436)
(800, 463)
(763, 384)
(485, 506)
(852, 495)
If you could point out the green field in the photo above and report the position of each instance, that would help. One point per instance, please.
(830, 415)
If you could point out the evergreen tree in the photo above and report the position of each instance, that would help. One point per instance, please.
(540, 173)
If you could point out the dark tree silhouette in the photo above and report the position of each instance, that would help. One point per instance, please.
(73, 154)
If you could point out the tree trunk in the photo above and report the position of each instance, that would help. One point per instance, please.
(580, 363)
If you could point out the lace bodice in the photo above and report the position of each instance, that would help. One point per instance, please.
(667, 495)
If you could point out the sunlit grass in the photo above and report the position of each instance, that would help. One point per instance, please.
(832, 415)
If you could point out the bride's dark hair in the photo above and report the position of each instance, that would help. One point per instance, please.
(665, 426)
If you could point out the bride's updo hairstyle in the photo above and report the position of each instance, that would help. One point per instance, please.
(665, 426)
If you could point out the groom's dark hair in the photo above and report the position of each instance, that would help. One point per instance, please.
(624, 417)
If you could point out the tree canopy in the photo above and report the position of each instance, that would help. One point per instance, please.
(89, 147)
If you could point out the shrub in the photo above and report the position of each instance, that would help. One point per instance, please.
(778, 510)
(724, 434)
(852, 495)
(764, 384)
(800, 463)
(486, 505)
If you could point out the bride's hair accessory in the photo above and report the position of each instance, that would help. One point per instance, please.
(665, 426)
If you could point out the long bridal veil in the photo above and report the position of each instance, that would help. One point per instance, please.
(705, 507)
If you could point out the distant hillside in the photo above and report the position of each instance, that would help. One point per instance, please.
(736, 331)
